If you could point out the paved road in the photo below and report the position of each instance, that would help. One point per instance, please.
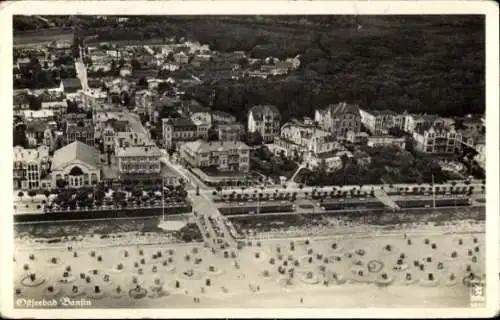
(205, 209)
(81, 73)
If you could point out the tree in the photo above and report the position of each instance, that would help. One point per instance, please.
(253, 138)
(125, 98)
(72, 106)
(135, 64)
(142, 82)
(19, 136)
(60, 183)
(35, 103)
(212, 135)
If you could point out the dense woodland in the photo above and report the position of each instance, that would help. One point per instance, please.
(432, 64)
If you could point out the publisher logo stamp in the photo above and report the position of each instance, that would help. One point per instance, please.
(477, 291)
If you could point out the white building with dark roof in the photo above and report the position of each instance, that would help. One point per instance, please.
(339, 118)
(77, 164)
(181, 130)
(224, 155)
(300, 138)
(266, 120)
(138, 160)
(378, 121)
(436, 138)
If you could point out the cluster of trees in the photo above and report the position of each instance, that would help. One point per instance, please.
(385, 63)
(88, 197)
(270, 165)
(388, 165)
(37, 76)
(441, 75)
(19, 136)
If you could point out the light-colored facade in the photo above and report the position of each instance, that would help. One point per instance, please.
(230, 131)
(300, 138)
(77, 165)
(139, 160)
(386, 140)
(436, 138)
(331, 162)
(224, 155)
(181, 58)
(481, 155)
(414, 120)
(57, 107)
(223, 117)
(144, 104)
(175, 130)
(378, 121)
(28, 167)
(264, 119)
(49, 139)
(339, 119)
(40, 115)
(93, 98)
(35, 132)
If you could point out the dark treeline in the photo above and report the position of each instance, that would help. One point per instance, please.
(432, 64)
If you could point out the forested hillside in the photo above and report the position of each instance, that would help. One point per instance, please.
(415, 63)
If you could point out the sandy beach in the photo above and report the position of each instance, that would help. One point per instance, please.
(422, 268)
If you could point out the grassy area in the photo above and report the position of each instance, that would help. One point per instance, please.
(34, 37)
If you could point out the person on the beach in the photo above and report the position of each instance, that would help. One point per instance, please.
(301, 299)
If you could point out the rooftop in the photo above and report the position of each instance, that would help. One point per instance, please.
(44, 113)
(71, 85)
(259, 110)
(36, 126)
(381, 112)
(343, 108)
(223, 114)
(73, 128)
(216, 146)
(181, 122)
(76, 151)
(21, 154)
(146, 151)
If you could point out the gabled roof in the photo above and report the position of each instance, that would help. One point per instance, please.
(71, 85)
(182, 123)
(385, 112)
(343, 108)
(72, 128)
(259, 110)
(76, 151)
(118, 125)
(214, 146)
(223, 114)
(94, 83)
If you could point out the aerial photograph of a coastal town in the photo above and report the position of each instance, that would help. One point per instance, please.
(249, 161)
